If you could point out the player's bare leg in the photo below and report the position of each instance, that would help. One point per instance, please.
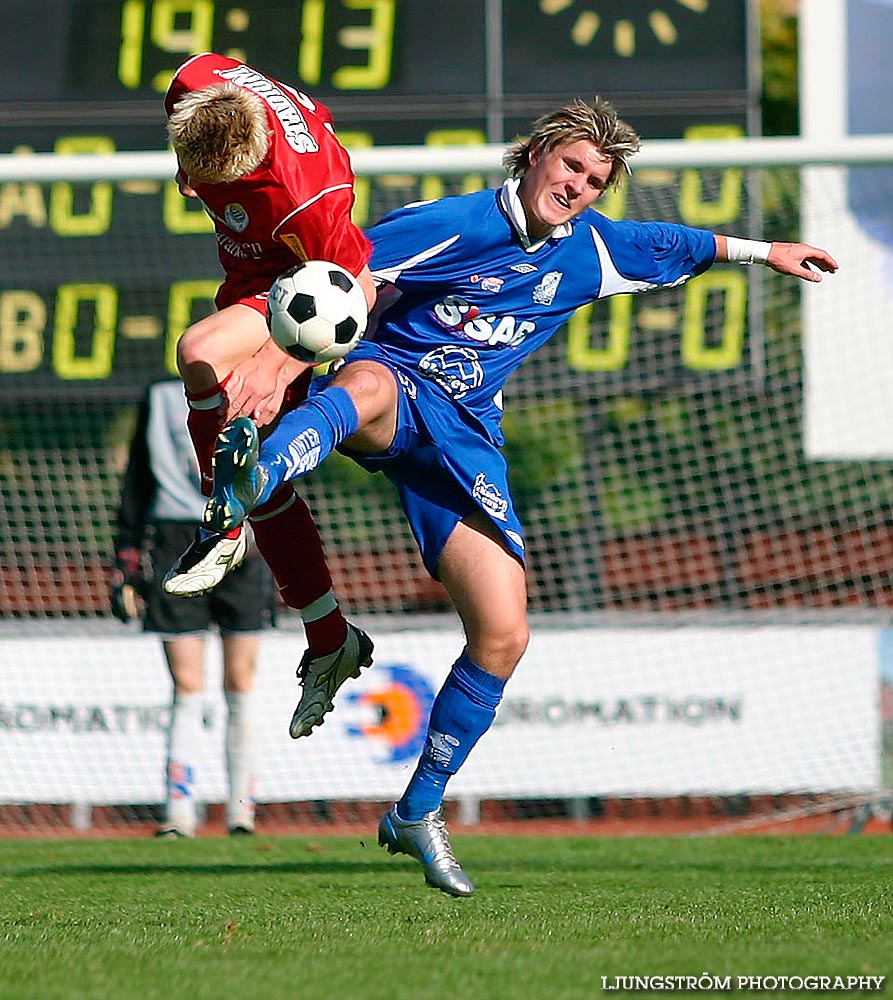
(206, 354)
(487, 586)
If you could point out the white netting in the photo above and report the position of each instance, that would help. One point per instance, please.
(657, 448)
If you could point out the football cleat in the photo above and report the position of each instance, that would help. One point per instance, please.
(427, 841)
(238, 480)
(322, 677)
(210, 556)
(173, 833)
(241, 830)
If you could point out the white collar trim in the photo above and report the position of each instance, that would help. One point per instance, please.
(511, 203)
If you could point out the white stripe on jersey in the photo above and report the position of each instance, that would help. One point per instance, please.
(613, 281)
(393, 273)
(309, 202)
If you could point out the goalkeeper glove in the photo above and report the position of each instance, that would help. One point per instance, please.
(127, 583)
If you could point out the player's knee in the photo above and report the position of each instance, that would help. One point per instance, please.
(194, 348)
(371, 385)
(499, 650)
(518, 641)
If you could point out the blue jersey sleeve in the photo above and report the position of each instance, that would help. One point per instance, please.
(423, 241)
(656, 253)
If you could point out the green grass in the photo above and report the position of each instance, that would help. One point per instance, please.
(337, 918)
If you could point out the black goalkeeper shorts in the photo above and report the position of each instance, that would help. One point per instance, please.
(243, 602)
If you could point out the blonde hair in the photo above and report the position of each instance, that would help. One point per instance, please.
(219, 133)
(598, 122)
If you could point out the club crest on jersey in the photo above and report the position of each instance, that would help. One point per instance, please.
(523, 268)
(487, 284)
(456, 370)
(489, 497)
(235, 217)
(409, 387)
(544, 293)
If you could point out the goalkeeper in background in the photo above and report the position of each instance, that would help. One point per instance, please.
(160, 503)
(476, 284)
(278, 187)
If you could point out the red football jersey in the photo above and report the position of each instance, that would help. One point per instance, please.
(296, 204)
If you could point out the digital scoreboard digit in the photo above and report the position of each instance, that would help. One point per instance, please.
(100, 279)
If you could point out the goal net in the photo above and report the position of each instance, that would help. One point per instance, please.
(704, 474)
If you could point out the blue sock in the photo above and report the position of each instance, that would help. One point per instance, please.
(463, 711)
(307, 435)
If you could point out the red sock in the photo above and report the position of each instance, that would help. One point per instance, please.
(203, 424)
(287, 538)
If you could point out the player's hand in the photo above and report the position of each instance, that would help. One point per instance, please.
(256, 387)
(801, 260)
(126, 583)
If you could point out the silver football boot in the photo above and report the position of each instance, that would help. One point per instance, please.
(322, 677)
(427, 841)
(238, 480)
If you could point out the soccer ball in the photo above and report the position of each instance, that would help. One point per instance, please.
(316, 312)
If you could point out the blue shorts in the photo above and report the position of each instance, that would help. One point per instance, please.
(443, 467)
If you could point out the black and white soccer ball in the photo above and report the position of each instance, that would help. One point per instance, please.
(317, 311)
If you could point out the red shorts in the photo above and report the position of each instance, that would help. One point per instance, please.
(243, 294)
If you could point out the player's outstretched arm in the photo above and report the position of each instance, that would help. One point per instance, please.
(798, 259)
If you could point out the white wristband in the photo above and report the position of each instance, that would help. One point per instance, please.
(747, 251)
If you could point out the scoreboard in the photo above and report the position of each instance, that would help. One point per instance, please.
(100, 279)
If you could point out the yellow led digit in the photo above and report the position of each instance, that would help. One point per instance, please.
(693, 208)
(183, 215)
(64, 221)
(99, 363)
(181, 299)
(582, 356)
(165, 35)
(313, 19)
(362, 187)
(432, 186)
(376, 38)
(130, 52)
(728, 354)
(23, 317)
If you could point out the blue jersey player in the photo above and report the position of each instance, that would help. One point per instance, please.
(469, 287)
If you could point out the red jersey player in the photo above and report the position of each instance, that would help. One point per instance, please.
(277, 184)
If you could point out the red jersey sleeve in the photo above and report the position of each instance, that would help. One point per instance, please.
(323, 230)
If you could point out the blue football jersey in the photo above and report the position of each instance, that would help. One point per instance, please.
(477, 296)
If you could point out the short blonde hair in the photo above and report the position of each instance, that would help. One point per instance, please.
(598, 122)
(219, 133)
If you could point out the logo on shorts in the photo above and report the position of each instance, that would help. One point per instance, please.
(235, 217)
(516, 538)
(409, 387)
(544, 293)
(489, 497)
(456, 370)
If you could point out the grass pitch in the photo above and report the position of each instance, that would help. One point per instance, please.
(338, 919)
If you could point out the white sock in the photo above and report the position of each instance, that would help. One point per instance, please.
(184, 740)
(240, 760)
